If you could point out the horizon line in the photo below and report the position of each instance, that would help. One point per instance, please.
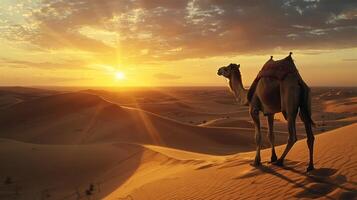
(146, 86)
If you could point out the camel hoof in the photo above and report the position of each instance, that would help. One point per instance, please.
(273, 158)
(256, 163)
(279, 163)
(310, 168)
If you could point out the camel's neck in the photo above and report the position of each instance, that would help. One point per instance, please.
(236, 85)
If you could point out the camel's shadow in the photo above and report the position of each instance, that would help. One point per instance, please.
(315, 184)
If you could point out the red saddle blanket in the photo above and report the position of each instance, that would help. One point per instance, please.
(274, 69)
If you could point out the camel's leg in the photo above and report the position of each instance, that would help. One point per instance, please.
(254, 113)
(271, 136)
(290, 96)
(310, 143)
(291, 140)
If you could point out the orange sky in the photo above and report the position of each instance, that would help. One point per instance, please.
(172, 43)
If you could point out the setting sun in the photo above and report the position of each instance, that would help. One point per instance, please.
(119, 76)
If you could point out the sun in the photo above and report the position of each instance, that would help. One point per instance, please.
(119, 76)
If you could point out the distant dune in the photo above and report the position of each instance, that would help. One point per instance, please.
(342, 105)
(228, 122)
(13, 95)
(77, 118)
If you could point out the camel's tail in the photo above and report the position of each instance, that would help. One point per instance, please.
(305, 106)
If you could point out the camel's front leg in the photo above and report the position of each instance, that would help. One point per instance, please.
(254, 113)
(271, 136)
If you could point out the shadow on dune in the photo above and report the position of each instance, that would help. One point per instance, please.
(315, 184)
(65, 171)
(123, 170)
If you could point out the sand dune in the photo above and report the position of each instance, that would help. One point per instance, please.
(233, 178)
(336, 93)
(25, 91)
(228, 122)
(77, 118)
(12, 95)
(342, 105)
(8, 100)
(127, 171)
(187, 105)
(197, 106)
(67, 171)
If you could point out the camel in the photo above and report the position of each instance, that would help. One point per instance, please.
(277, 88)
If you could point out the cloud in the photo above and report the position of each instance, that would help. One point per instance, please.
(165, 76)
(69, 64)
(173, 30)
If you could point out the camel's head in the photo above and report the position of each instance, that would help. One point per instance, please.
(228, 70)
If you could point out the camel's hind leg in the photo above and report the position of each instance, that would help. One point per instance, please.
(310, 140)
(270, 119)
(305, 115)
(310, 144)
(290, 97)
(291, 140)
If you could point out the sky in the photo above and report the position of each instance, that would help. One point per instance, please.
(173, 42)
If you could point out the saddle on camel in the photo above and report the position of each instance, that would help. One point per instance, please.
(278, 69)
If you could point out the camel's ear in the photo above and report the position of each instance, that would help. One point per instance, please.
(233, 65)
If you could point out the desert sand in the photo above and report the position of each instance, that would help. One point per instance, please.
(173, 143)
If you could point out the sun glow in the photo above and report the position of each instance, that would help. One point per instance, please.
(119, 76)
